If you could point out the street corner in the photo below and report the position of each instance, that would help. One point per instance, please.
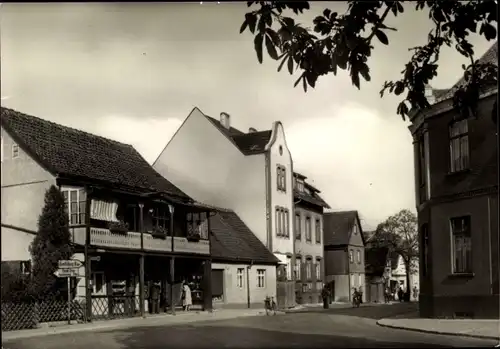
(472, 329)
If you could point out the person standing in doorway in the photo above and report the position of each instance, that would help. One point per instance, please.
(187, 301)
(155, 298)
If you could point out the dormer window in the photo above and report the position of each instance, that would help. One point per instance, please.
(15, 151)
(300, 185)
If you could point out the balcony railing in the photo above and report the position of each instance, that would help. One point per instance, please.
(132, 240)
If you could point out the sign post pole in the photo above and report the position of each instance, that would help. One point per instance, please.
(69, 300)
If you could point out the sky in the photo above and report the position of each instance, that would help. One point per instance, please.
(133, 72)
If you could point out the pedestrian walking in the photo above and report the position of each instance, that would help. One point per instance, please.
(325, 294)
(415, 292)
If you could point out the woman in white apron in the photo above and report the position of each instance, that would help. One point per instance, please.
(187, 300)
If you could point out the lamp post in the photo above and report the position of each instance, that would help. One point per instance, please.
(172, 260)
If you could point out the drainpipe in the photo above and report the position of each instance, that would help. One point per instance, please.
(88, 270)
(349, 272)
(489, 245)
(141, 260)
(172, 261)
(248, 283)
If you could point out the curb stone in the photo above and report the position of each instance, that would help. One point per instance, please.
(379, 323)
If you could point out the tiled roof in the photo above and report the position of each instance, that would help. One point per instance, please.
(248, 143)
(254, 142)
(69, 152)
(312, 198)
(491, 56)
(337, 227)
(232, 240)
(375, 260)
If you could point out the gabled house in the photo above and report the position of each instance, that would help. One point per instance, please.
(344, 246)
(130, 226)
(308, 226)
(243, 269)
(249, 173)
(377, 272)
(456, 183)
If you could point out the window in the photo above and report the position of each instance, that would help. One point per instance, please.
(358, 256)
(1, 145)
(308, 269)
(197, 224)
(459, 146)
(308, 229)
(281, 178)
(15, 151)
(98, 283)
(298, 227)
(318, 269)
(461, 241)
(286, 219)
(355, 228)
(425, 248)
(161, 217)
(282, 220)
(75, 200)
(299, 184)
(261, 278)
(351, 256)
(317, 227)
(298, 265)
(289, 268)
(239, 277)
(422, 170)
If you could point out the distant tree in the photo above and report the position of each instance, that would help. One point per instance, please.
(51, 244)
(400, 233)
(344, 41)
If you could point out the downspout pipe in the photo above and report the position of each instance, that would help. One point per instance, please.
(248, 283)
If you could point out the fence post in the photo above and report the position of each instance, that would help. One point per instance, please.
(69, 297)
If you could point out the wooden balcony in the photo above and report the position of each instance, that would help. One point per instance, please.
(100, 237)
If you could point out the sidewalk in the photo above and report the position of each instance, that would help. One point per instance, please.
(334, 305)
(487, 329)
(155, 320)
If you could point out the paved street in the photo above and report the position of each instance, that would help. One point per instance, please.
(333, 328)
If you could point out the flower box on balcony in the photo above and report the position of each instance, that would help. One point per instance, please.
(194, 237)
(118, 227)
(159, 233)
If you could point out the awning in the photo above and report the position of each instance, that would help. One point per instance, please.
(103, 210)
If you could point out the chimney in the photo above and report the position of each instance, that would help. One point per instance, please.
(251, 130)
(429, 95)
(225, 120)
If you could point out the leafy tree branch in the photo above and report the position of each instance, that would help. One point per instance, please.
(339, 41)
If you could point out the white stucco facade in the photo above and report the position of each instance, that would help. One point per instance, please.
(236, 292)
(279, 155)
(208, 166)
(23, 186)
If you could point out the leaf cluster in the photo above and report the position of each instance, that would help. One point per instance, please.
(345, 42)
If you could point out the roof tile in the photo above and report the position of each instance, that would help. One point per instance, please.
(70, 152)
(232, 240)
(337, 227)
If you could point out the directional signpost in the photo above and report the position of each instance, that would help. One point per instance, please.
(68, 269)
